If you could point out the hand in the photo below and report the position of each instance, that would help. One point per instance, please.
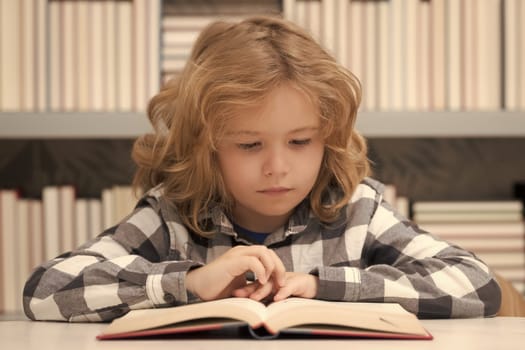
(227, 273)
(296, 284)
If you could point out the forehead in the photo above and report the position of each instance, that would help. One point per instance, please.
(285, 108)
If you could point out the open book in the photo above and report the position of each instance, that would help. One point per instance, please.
(295, 316)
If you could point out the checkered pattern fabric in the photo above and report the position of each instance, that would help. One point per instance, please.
(370, 253)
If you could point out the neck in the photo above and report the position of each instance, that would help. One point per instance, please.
(259, 223)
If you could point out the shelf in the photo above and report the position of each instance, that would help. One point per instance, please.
(22, 125)
(442, 124)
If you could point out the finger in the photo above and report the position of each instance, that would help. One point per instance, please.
(267, 258)
(279, 272)
(262, 292)
(283, 293)
(257, 252)
(250, 263)
(245, 291)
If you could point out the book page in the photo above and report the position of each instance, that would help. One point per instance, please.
(247, 310)
(387, 317)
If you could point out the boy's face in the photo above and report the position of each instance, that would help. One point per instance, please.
(270, 158)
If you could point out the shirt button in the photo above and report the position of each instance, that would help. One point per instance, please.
(169, 298)
(117, 311)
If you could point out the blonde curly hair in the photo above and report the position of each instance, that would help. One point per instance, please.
(236, 65)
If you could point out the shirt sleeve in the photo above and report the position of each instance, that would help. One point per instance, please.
(403, 264)
(124, 268)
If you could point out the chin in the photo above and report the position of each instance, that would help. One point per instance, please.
(275, 211)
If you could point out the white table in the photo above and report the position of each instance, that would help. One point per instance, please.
(462, 334)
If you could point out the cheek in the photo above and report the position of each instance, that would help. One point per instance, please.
(316, 158)
(234, 169)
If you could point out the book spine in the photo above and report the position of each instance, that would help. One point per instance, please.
(397, 42)
(69, 56)
(22, 258)
(511, 47)
(153, 48)
(489, 48)
(56, 55)
(36, 229)
(423, 45)
(110, 63)
(82, 48)
(82, 221)
(370, 58)
(383, 56)
(453, 49)
(50, 200)
(124, 56)
(27, 55)
(40, 58)
(410, 62)
(437, 56)
(67, 218)
(341, 31)
(139, 55)
(9, 244)
(521, 56)
(97, 45)
(10, 60)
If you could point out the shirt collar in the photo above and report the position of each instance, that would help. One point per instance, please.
(297, 222)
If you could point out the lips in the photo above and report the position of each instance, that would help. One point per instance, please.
(275, 190)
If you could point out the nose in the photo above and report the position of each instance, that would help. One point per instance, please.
(276, 163)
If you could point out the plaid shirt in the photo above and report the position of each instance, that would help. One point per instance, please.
(370, 253)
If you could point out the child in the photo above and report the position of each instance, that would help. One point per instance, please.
(255, 172)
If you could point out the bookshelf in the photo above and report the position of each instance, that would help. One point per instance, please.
(412, 97)
(100, 125)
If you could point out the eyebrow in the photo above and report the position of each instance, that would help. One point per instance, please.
(255, 133)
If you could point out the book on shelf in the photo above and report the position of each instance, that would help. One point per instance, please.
(22, 257)
(495, 244)
(437, 55)
(66, 215)
(370, 56)
(51, 224)
(81, 220)
(453, 59)
(124, 51)
(95, 217)
(383, 56)
(400, 203)
(467, 216)
(10, 58)
(472, 206)
(489, 54)
(468, 211)
(521, 49)
(8, 250)
(475, 230)
(36, 233)
(410, 59)
(499, 260)
(328, 37)
(396, 43)
(293, 316)
(423, 55)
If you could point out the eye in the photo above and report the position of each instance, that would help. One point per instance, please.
(249, 146)
(301, 142)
